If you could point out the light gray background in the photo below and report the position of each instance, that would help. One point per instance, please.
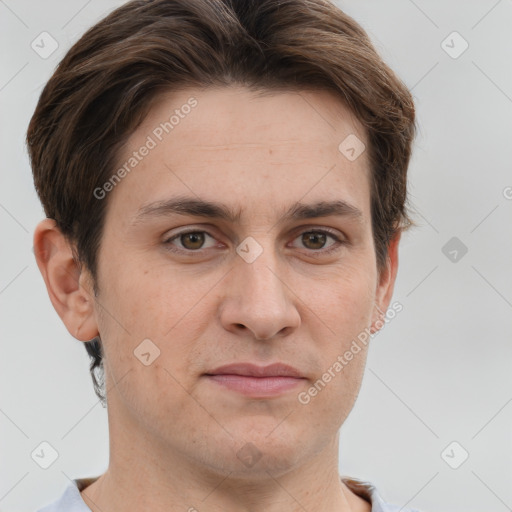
(439, 372)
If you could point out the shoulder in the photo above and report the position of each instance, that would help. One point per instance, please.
(369, 493)
(70, 500)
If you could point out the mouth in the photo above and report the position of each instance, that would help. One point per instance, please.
(256, 381)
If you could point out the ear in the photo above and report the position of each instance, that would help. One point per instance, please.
(69, 288)
(386, 284)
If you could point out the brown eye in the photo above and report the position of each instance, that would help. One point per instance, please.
(193, 240)
(316, 242)
(314, 239)
(189, 241)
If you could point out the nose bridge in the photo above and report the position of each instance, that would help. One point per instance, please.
(259, 297)
(259, 272)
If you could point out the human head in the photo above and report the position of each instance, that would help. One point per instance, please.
(110, 79)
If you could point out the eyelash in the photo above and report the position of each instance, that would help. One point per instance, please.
(335, 246)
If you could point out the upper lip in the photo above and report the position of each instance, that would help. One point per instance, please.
(252, 370)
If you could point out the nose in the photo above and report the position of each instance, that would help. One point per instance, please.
(259, 300)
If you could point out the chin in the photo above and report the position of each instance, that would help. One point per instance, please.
(275, 450)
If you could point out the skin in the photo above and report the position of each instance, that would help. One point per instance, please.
(175, 434)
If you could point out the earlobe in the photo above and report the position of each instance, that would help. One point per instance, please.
(69, 291)
(386, 284)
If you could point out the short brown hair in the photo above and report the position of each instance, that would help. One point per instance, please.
(106, 83)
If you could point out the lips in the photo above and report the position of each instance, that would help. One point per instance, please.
(252, 370)
(256, 381)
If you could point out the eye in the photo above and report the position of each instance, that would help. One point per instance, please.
(194, 241)
(316, 239)
(190, 241)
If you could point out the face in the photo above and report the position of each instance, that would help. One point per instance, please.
(263, 276)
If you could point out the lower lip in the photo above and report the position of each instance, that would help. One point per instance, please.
(256, 386)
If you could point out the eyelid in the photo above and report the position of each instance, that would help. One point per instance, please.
(168, 239)
(339, 239)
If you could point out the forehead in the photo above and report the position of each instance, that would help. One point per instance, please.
(224, 116)
(261, 147)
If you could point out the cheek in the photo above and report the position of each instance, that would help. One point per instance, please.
(152, 311)
(148, 302)
(345, 307)
(347, 301)
(332, 394)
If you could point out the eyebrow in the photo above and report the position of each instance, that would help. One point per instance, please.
(191, 206)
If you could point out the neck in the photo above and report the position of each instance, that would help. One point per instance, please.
(147, 472)
(175, 483)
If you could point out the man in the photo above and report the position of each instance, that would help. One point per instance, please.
(225, 187)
